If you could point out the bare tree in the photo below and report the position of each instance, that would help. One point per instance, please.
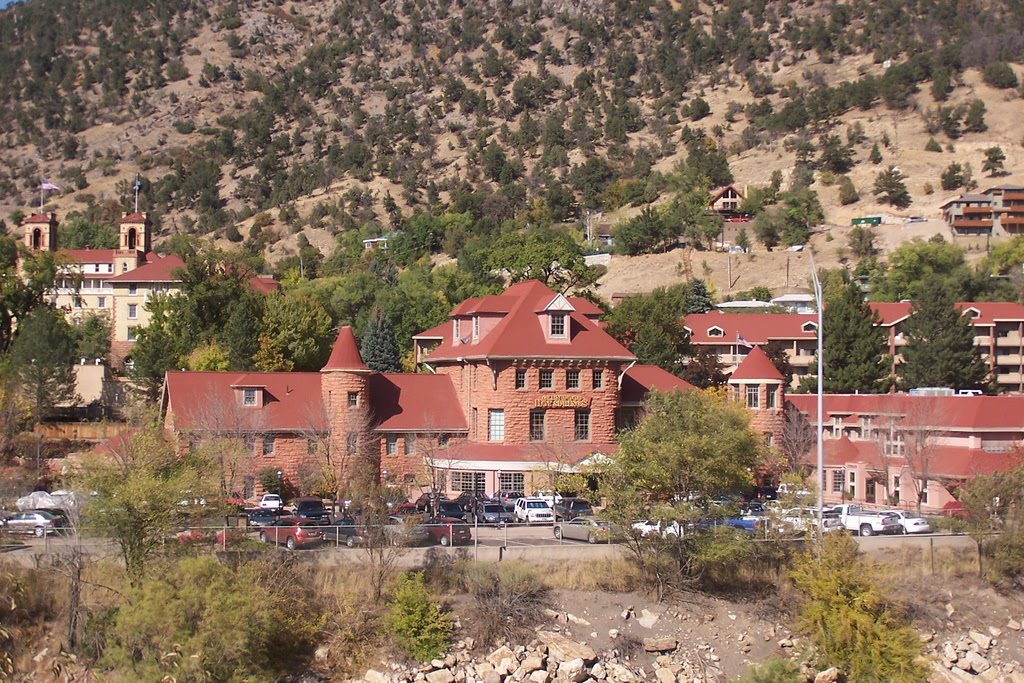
(798, 436)
(919, 429)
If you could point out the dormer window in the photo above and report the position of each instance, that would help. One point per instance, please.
(809, 327)
(558, 325)
(973, 312)
(249, 397)
(716, 332)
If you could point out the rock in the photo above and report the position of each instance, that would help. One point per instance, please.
(620, 674)
(785, 643)
(561, 649)
(977, 663)
(647, 619)
(1013, 625)
(437, 663)
(665, 644)
(995, 631)
(983, 641)
(532, 663)
(949, 652)
(440, 676)
(491, 677)
(470, 643)
(374, 676)
(665, 676)
(613, 633)
(597, 671)
(574, 670)
(949, 610)
(41, 655)
(714, 658)
(580, 621)
(927, 637)
(831, 675)
(322, 653)
(539, 676)
(449, 661)
(963, 664)
(627, 614)
(501, 653)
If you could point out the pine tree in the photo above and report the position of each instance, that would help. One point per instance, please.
(380, 347)
(699, 300)
(42, 357)
(890, 187)
(853, 345)
(875, 156)
(994, 158)
(940, 350)
(241, 333)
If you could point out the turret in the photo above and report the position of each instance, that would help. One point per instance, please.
(40, 232)
(759, 385)
(134, 242)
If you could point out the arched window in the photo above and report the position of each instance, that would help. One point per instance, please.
(131, 238)
(37, 238)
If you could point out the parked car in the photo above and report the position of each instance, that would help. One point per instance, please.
(313, 509)
(549, 497)
(802, 520)
(911, 524)
(35, 522)
(589, 529)
(61, 521)
(271, 501)
(866, 522)
(507, 498)
(291, 532)
(532, 510)
(404, 531)
(344, 530)
(448, 531)
(492, 513)
(569, 509)
(262, 516)
(404, 509)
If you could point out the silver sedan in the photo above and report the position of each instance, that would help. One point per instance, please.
(589, 529)
(911, 524)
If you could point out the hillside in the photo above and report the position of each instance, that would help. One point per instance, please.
(255, 121)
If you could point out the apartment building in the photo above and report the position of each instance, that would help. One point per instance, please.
(997, 212)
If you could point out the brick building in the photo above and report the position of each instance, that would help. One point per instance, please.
(517, 388)
(117, 283)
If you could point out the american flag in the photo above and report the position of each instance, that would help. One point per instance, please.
(743, 342)
(47, 185)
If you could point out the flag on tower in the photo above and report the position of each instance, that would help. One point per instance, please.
(138, 182)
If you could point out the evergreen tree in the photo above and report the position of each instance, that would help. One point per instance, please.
(241, 334)
(974, 121)
(890, 187)
(776, 352)
(853, 346)
(700, 299)
(42, 357)
(994, 158)
(743, 240)
(380, 348)
(875, 156)
(940, 350)
(704, 370)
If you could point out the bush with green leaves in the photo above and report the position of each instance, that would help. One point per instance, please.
(415, 622)
(851, 621)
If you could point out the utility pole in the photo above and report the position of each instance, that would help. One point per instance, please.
(820, 302)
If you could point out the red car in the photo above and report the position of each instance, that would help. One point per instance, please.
(291, 532)
(448, 530)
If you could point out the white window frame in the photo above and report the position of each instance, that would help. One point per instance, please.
(391, 444)
(559, 325)
(133, 311)
(572, 379)
(249, 397)
(495, 424)
(753, 396)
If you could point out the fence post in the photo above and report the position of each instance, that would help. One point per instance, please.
(931, 552)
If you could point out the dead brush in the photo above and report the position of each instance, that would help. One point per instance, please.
(508, 600)
(611, 575)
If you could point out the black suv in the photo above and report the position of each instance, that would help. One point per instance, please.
(569, 509)
(312, 509)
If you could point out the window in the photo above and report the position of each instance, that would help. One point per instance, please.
(351, 443)
(410, 444)
(248, 397)
(133, 311)
(391, 444)
(896, 488)
(537, 425)
(133, 288)
(572, 379)
(353, 399)
(520, 379)
(101, 302)
(558, 324)
(250, 443)
(476, 327)
(268, 444)
(475, 432)
(78, 302)
(547, 379)
(837, 481)
(312, 447)
(582, 425)
(924, 493)
(716, 332)
(133, 333)
(495, 425)
(474, 483)
(769, 402)
(853, 485)
(753, 396)
(598, 379)
(511, 481)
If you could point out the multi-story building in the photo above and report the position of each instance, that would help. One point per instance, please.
(521, 387)
(898, 449)
(999, 336)
(997, 212)
(117, 283)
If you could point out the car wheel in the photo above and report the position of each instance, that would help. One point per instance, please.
(558, 532)
(591, 539)
(351, 542)
(290, 543)
(40, 532)
(866, 530)
(903, 530)
(445, 541)
(263, 537)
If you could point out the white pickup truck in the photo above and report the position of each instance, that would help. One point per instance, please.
(866, 522)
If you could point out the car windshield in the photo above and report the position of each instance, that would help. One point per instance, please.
(579, 505)
(311, 505)
(536, 504)
(493, 508)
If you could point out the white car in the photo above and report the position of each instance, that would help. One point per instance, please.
(532, 510)
(647, 527)
(910, 524)
(271, 501)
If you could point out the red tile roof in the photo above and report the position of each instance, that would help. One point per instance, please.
(87, 255)
(405, 402)
(757, 365)
(156, 268)
(116, 445)
(39, 218)
(206, 400)
(437, 332)
(532, 453)
(640, 380)
(756, 328)
(989, 312)
(954, 413)
(943, 460)
(520, 332)
(263, 284)
(133, 218)
(891, 313)
(345, 354)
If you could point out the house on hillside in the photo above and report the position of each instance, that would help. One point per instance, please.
(996, 212)
(726, 201)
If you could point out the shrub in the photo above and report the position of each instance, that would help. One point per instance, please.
(852, 623)
(1000, 75)
(415, 622)
(773, 670)
(507, 600)
(847, 191)
(932, 146)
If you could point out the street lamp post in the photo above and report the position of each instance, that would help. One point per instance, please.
(280, 483)
(820, 303)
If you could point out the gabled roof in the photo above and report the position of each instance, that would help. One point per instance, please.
(134, 218)
(966, 198)
(263, 284)
(87, 255)
(949, 413)
(891, 313)
(756, 365)
(437, 332)
(520, 332)
(719, 193)
(989, 312)
(756, 328)
(956, 462)
(345, 354)
(640, 380)
(156, 268)
(406, 402)
(43, 218)
(206, 401)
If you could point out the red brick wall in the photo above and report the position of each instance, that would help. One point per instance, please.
(335, 387)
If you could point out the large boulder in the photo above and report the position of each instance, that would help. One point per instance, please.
(561, 649)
